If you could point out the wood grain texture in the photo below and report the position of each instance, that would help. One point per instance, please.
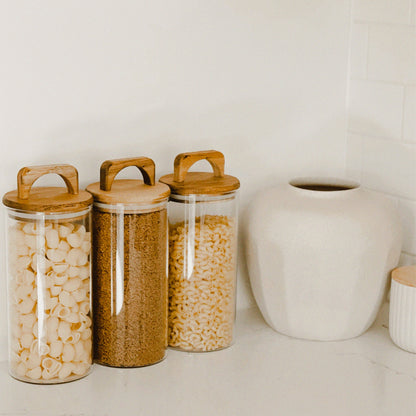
(128, 191)
(28, 175)
(182, 182)
(110, 169)
(47, 199)
(184, 161)
(405, 275)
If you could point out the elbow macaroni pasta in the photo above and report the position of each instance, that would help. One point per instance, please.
(49, 301)
(201, 306)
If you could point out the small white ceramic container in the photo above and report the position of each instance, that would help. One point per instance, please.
(402, 323)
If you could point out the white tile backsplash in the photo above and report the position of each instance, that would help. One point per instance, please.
(407, 211)
(409, 119)
(386, 11)
(407, 259)
(354, 157)
(376, 109)
(381, 144)
(359, 38)
(389, 166)
(392, 53)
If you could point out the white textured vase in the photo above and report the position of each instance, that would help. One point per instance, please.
(319, 260)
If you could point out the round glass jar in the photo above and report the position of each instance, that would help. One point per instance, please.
(48, 268)
(129, 268)
(203, 224)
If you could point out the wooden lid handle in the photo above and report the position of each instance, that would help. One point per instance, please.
(185, 160)
(110, 169)
(28, 175)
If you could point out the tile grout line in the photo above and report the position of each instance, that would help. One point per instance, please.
(388, 24)
(403, 114)
(383, 138)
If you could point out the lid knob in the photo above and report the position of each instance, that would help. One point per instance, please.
(110, 169)
(184, 161)
(27, 176)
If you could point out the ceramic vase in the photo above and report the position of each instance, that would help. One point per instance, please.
(319, 253)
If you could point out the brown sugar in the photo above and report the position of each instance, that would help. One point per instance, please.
(129, 286)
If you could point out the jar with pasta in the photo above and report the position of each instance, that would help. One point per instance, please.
(48, 268)
(202, 254)
(129, 269)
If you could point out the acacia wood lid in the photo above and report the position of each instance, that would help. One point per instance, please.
(405, 275)
(182, 182)
(47, 199)
(128, 191)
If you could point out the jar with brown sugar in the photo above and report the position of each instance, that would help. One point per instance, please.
(202, 254)
(129, 266)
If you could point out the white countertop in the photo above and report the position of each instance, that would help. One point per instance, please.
(262, 373)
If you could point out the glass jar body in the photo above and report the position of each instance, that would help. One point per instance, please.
(129, 284)
(48, 268)
(202, 271)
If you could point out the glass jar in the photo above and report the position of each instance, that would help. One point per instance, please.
(202, 254)
(130, 231)
(48, 267)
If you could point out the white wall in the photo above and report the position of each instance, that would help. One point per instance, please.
(382, 106)
(263, 81)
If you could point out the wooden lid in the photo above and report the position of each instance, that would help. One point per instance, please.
(47, 199)
(128, 191)
(200, 183)
(405, 275)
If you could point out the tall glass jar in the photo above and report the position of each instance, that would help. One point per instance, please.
(48, 267)
(202, 254)
(130, 231)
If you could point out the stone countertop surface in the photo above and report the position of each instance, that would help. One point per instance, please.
(262, 373)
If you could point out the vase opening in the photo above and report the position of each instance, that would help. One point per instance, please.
(323, 185)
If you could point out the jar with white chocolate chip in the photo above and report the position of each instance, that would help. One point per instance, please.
(48, 268)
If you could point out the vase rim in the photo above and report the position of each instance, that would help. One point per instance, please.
(320, 185)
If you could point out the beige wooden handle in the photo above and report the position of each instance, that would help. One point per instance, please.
(110, 169)
(185, 160)
(28, 175)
